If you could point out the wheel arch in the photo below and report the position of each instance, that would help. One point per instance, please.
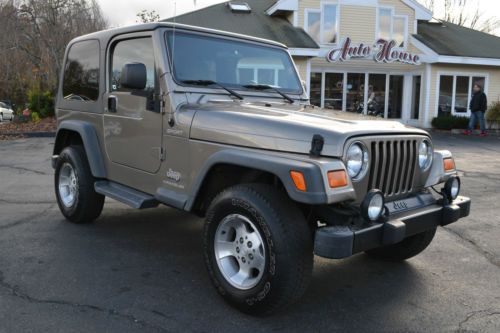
(230, 167)
(83, 133)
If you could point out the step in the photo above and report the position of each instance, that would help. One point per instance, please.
(124, 194)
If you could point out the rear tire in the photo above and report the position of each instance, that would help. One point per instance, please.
(74, 186)
(405, 249)
(272, 272)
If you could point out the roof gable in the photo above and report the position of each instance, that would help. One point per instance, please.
(256, 23)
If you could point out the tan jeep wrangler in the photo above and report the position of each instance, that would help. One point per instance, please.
(187, 117)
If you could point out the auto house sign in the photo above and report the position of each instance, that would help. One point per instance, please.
(382, 51)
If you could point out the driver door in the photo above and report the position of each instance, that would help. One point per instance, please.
(132, 118)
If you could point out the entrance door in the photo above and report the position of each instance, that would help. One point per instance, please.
(133, 130)
(395, 105)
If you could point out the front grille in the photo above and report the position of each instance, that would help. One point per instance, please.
(392, 167)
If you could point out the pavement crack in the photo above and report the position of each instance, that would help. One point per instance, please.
(26, 219)
(18, 202)
(23, 169)
(16, 292)
(473, 314)
(488, 255)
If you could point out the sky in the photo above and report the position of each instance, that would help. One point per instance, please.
(125, 12)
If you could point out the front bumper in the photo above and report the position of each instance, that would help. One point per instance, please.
(336, 242)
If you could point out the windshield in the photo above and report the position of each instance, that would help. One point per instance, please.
(231, 63)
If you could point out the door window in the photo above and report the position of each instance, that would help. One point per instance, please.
(395, 96)
(139, 50)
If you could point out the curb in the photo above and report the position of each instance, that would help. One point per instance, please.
(32, 134)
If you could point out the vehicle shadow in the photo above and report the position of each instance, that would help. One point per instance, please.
(156, 262)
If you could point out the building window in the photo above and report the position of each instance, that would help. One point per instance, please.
(322, 25)
(392, 27)
(329, 24)
(313, 24)
(455, 92)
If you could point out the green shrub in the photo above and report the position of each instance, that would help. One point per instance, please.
(41, 102)
(493, 113)
(450, 122)
(35, 117)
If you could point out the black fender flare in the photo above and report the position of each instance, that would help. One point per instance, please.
(90, 143)
(280, 166)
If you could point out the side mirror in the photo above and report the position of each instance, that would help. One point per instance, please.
(133, 76)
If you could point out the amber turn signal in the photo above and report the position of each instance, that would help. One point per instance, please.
(449, 164)
(337, 178)
(298, 180)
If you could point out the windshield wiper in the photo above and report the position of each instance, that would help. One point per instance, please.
(213, 83)
(268, 87)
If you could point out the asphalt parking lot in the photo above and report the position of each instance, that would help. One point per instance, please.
(143, 270)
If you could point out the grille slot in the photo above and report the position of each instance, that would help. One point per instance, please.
(392, 166)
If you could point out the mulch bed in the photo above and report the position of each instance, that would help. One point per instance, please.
(12, 131)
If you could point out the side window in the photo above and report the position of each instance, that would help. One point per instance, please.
(132, 51)
(81, 72)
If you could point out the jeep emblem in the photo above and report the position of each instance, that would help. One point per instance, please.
(173, 175)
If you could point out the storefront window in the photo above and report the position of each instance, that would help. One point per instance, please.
(415, 99)
(461, 94)
(355, 92)
(329, 23)
(334, 90)
(376, 94)
(455, 92)
(445, 95)
(315, 87)
(314, 24)
(395, 96)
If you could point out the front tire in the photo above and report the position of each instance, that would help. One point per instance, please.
(74, 186)
(258, 249)
(405, 249)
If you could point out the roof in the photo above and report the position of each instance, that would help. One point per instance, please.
(449, 39)
(257, 23)
(105, 35)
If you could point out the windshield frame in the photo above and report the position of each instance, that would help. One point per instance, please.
(237, 87)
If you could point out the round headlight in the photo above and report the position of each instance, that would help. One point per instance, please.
(424, 154)
(452, 188)
(373, 205)
(356, 160)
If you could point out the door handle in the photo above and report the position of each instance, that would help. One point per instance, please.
(112, 102)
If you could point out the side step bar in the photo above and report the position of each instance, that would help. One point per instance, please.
(125, 194)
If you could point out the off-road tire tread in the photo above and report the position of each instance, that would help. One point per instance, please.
(89, 202)
(298, 248)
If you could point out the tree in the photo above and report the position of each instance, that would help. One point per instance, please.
(145, 16)
(33, 40)
(464, 13)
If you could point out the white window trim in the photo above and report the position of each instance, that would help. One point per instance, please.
(393, 15)
(321, 24)
(307, 11)
(455, 74)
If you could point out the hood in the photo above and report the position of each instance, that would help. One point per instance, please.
(287, 128)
